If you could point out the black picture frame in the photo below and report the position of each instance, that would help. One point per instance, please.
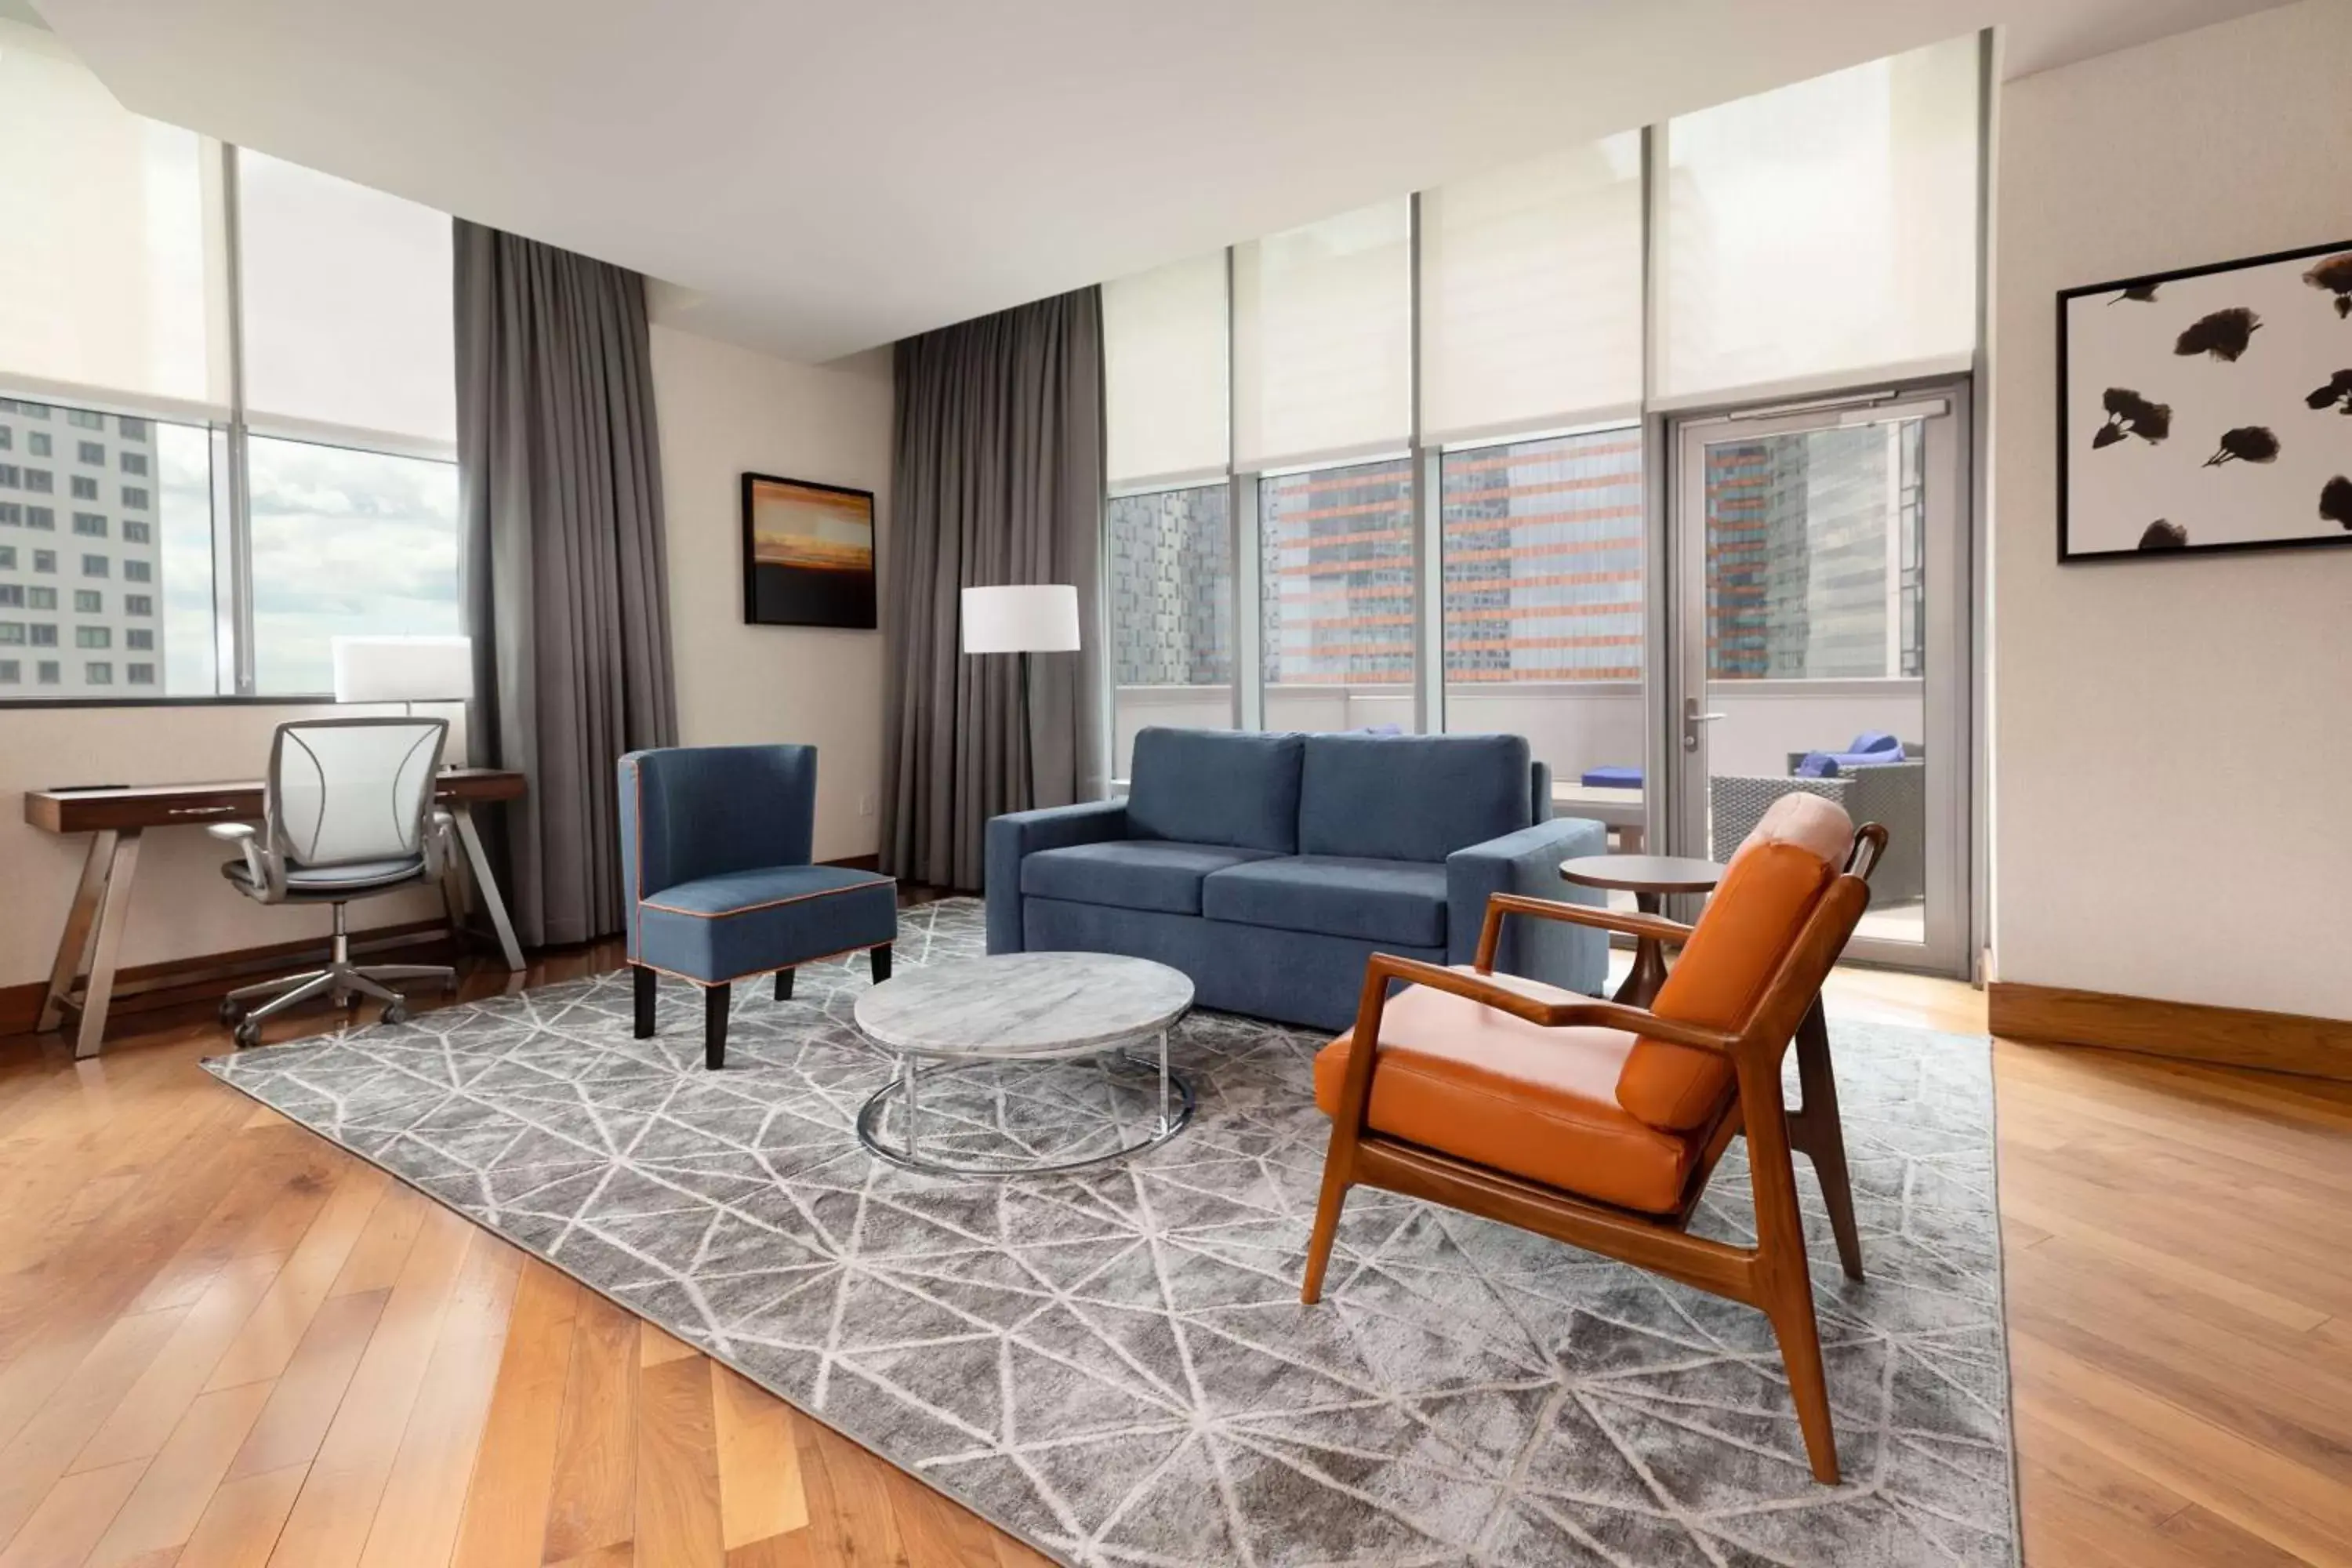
(2067, 555)
(841, 594)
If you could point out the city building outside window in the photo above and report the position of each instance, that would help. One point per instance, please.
(85, 419)
(46, 672)
(98, 672)
(135, 531)
(43, 635)
(93, 636)
(90, 524)
(134, 462)
(88, 602)
(38, 598)
(135, 497)
(138, 604)
(84, 488)
(139, 639)
(37, 442)
(90, 452)
(45, 559)
(138, 572)
(139, 674)
(40, 516)
(96, 565)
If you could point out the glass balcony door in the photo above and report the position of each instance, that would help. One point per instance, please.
(1820, 644)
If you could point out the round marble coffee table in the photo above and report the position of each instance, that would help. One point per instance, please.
(1050, 1009)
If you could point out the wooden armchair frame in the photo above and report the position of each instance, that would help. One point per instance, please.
(1772, 1276)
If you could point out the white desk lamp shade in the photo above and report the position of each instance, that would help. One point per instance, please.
(1033, 619)
(404, 670)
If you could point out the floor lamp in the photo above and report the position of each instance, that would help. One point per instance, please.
(1023, 619)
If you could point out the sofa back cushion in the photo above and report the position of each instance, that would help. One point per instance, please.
(1215, 786)
(1412, 797)
(1757, 912)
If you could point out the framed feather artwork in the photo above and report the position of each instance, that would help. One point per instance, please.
(2207, 409)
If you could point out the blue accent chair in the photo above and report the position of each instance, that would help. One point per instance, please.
(1269, 867)
(715, 868)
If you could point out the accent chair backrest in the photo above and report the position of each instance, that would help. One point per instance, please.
(690, 812)
(1769, 890)
(343, 791)
(1237, 788)
(1412, 797)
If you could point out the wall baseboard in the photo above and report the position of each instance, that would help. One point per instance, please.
(2187, 1031)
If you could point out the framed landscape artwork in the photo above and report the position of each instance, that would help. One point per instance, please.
(2207, 409)
(808, 553)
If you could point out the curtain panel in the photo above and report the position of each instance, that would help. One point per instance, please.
(565, 571)
(997, 479)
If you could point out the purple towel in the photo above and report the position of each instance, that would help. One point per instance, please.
(1612, 778)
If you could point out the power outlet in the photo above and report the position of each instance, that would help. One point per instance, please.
(864, 805)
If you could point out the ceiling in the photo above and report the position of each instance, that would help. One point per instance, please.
(815, 177)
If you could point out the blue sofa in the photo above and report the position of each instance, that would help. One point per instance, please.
(1269, 867)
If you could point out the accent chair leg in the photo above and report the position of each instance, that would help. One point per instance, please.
(880, 959)
(1326, 1227)
(643, 981)
(1801, 1351)
(714, 1026)
(783, 984)
(1817, 1131)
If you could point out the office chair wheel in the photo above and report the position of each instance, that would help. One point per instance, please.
(395, 1013)
(247, 1035)
(232, 1012)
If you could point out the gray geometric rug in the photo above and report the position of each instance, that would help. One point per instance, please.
(1114, 1366)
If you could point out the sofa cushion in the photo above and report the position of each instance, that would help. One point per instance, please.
(1131, 874)
(1411, 797)
(750, 922)
(1402, 901)
(1215, 786)
(1492, 1088)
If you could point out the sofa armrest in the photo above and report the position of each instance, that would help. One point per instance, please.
(1020, 833)
(1528, 862)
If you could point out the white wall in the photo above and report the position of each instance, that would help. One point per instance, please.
(725, 411)
(181, 904)
(2173, 739)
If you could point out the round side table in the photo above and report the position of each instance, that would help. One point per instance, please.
(1649, 878)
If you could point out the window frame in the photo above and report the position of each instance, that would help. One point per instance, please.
(105, 412)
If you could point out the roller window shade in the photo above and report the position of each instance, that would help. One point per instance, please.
(1531, 294)
(1166, 378)
(1824, 228)
(1323, 340)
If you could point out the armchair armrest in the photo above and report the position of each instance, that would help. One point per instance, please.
(1525, 864)
(1016, 835)
(1674, 933)
(257, 865)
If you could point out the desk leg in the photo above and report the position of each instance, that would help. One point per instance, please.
(113, 915)
(81, 916)
(486, 886)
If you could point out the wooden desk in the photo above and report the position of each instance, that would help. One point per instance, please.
(116, 817)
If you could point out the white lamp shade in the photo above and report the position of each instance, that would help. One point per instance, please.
(1029, 618)
(404, 670)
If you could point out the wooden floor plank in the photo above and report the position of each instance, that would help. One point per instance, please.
(31, 1462)
(759, 1462)
(678, 1519)
(163, 1511)
(304, 1399)
(508, 1495)
(267, 1343)
(155, 1405)
(240, 1526)
(593, 1497)
(75, 1514)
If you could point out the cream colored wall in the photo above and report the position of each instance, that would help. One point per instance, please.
(725, 411)
(180, 905)
(2173, 738)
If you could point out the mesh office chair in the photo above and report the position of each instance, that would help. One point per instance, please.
(348, 813)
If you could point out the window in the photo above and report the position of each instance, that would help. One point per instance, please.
(345, 543)
(1338, 610)
(91, 524)
(12, 596)
(139, 674)
(40, 481)
(7, 438)
(1824, 228)
(98, 672)
(12, 632)
(93, 636)
(135, 531)
(94, 565)
(139, 639)
(88, 602)
(7, 558)
(135, 497)
(43, 635)
(138, 572)
(90, 452)
(11, 673)
(138, 604)
(11, 477)
(84, 488)
(37, 442)
(85, 419)
(40, 516)
(46, 672)
(1171, 613)
(134, 463)
(45, 561)
(134, 430)
(12, 514)
(41, 598)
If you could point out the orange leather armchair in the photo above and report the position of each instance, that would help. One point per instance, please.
(1599, 1124)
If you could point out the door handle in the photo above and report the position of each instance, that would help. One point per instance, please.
(1692, 720)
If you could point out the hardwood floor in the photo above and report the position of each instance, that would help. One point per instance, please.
(224, 1342)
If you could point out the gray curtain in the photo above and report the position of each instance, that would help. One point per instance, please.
(566, 579)
(997, 478)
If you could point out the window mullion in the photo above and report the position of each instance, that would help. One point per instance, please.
(239, 518)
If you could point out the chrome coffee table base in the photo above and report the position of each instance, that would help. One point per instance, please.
(1176, 1105)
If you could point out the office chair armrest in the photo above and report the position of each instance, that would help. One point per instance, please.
(249, 844)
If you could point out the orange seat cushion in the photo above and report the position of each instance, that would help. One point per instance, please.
(1498, 1091)
(1767, 893)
